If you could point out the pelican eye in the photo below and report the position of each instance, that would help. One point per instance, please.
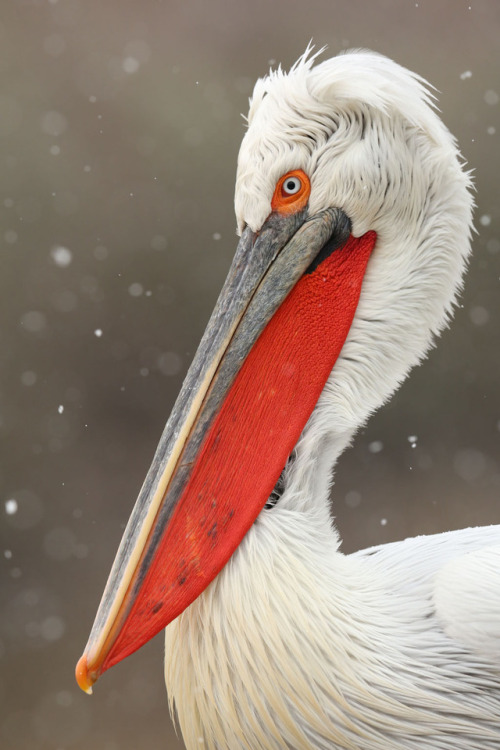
(291, 192)
(291, 186)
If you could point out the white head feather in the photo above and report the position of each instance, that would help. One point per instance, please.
(366, 132)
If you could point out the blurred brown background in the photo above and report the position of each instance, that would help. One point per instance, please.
(119, 130)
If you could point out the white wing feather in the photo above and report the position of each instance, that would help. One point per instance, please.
(459, 571)
(467, 598)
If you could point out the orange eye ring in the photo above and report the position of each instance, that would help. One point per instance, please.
(291, 193)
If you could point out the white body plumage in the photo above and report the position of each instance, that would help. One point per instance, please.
(295, 645)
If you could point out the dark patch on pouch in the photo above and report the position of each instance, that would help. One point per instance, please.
(213, 532)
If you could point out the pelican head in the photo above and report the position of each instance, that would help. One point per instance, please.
(354, 215)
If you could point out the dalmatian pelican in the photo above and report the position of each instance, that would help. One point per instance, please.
(354, 213)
